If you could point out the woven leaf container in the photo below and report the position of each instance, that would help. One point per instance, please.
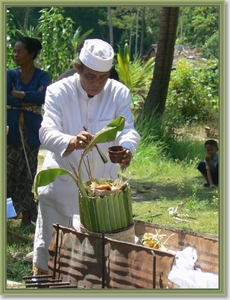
(109, 212)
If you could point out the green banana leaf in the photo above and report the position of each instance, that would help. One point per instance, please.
(106, 213)
(123, 58)
(47, 176)
(109, 133)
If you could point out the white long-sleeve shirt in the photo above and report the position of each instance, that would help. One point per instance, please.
(67, 109)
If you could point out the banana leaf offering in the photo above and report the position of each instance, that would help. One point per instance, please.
(108, 205)
(104, 205)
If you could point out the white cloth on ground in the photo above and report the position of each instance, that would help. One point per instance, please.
(185, 275)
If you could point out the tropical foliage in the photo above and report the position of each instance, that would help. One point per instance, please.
(10, 34)
(31, 32)
(78, 39)
(56, 38)
(199, 26)
(192, 94)
(61, 35)
(137, 26)
(136, 75)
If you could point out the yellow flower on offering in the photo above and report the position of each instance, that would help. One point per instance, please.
(152, 240)
(147, 236)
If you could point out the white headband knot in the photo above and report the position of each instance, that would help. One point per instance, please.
(97, 55)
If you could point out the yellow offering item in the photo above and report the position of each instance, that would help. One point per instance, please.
(21, 119)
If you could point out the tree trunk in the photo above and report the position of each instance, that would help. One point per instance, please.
(157, 95)
(26, 18)
(110, 26)
(136, 37)
(142, 32)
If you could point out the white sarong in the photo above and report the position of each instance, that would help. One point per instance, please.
(43, 234)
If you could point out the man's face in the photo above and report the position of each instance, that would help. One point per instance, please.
(92, 81)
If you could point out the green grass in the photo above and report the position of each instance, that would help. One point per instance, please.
(158, 181)
(19, 243)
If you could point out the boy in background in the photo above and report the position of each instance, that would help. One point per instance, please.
(209, 167)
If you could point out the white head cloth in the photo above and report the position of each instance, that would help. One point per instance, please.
(97, 55)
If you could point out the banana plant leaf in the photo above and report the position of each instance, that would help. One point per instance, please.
(47, 176)
(108, 133)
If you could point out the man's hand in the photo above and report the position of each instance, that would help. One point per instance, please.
(80, 141)
(126, 160)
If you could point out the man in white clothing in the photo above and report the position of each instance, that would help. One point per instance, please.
(88, 100)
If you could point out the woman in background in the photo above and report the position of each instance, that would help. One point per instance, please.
(26, 88)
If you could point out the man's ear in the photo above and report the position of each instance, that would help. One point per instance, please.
(77, 67)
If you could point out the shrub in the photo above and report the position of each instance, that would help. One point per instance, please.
(192, 94)
(10, 38)
(136, 75)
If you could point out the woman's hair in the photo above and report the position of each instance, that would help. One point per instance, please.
(32, 45)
